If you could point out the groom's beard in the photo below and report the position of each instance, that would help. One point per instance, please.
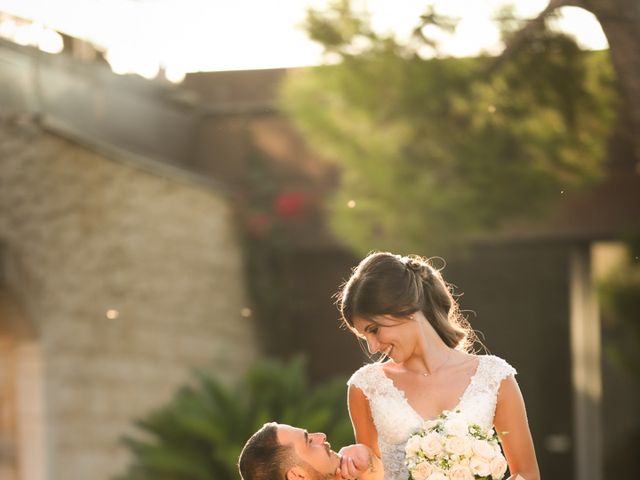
(316, 475)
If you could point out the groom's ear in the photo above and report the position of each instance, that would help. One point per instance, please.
(297, 473)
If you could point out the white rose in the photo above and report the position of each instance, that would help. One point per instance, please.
(456, 445)
(413, 446)
(456, 427)
(431, 444)
(498, 450)
(460, 472)
(479, 466)
(437, 476)
(421, 471)
(498, 467)
(483, 449)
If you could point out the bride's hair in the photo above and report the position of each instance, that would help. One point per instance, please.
(388, 284)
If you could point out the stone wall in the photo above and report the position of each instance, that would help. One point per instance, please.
(129, 277)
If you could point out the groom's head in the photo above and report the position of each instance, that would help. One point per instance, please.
(283, 452)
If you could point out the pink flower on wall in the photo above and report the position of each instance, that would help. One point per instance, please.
(290, 204)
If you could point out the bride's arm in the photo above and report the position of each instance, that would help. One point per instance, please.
(511, 424)
(363, 428)
(362, 460)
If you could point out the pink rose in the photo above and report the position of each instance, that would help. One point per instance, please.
(483, 449)
(498, 466)
(437, 476)
(431, 445)
(479, 466)
(456, 426)
(413, 446)
(457, 445)
(460, 472)
(421, 471)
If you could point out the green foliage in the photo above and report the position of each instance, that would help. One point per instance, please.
(436, 151)
(199, 435)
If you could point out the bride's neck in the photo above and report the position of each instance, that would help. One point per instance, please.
(429, 357)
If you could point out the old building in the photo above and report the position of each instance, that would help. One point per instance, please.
(118, 274)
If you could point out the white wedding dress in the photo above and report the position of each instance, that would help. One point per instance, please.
(395, 420)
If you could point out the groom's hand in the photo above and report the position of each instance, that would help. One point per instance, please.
(356, 460)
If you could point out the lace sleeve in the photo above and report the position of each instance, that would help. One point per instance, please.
(361, 378)
(479, 401)
(500, 369)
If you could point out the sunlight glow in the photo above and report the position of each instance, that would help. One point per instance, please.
(471, 28)
(181, 36)
(583, 26)
(31, 34)
(174, 75)
(50, 41)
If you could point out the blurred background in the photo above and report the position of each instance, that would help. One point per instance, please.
(184, 185)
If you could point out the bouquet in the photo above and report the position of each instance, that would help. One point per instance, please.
(450, 448)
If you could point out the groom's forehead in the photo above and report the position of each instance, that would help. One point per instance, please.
(287, 434)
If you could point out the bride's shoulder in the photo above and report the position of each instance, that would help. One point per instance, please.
(365, 374)
(497, 365)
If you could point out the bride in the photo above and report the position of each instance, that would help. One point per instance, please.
(402, 308)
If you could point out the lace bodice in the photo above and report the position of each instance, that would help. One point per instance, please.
(395, 420)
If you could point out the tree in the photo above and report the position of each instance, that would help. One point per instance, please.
(620, 21)
(434, 152)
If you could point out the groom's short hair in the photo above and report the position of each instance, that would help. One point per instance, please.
(263, 457)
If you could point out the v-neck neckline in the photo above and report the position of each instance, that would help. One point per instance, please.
(403, 396)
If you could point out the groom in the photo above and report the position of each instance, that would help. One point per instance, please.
(282, 452)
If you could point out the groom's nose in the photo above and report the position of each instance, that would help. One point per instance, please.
(318, 437)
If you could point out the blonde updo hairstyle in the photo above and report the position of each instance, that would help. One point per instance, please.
(388, 284)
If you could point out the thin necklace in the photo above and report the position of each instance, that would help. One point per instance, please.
(427, 374)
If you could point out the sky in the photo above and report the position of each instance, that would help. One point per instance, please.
(210, 35)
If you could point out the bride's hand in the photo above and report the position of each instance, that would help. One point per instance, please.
(354, 461)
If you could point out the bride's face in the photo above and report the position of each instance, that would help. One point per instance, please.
(393, 336)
